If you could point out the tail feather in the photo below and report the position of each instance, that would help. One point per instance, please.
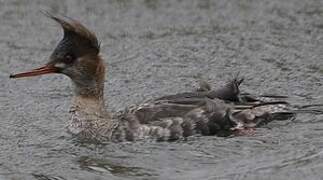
(308, 111)
(260, 113)
(209, 112)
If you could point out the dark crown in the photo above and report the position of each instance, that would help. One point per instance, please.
(77, 38)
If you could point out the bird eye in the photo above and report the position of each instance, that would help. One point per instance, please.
(68, 59)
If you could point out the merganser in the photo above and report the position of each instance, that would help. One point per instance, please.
(221, 112)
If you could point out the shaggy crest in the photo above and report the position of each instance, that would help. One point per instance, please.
(76, 35)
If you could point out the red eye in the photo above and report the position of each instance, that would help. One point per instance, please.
(68, 59)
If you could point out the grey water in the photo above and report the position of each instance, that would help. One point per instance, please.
(160, 47)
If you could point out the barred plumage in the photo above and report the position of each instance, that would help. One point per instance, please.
(208, 112)
(178, 116)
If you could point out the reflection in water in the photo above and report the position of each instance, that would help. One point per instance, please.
(46, 177)
(106, 166)
(153, 48)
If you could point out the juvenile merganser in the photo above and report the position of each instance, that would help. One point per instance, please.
(208, 112)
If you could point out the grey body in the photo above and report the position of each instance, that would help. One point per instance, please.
(174, 117)
(208, 112)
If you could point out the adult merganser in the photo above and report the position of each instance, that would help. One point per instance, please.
(208, 112)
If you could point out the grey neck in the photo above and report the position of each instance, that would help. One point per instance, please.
(88, 114)
(89, 97)
(90, 90)
(89, 118)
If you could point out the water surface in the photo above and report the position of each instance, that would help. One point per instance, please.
(154, 48)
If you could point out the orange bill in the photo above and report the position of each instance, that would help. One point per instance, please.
(36, 72)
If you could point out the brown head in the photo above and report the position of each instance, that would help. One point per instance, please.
(77, 56)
